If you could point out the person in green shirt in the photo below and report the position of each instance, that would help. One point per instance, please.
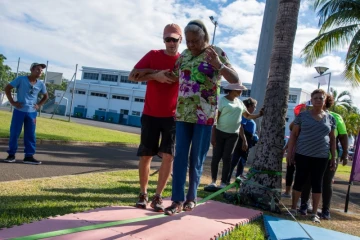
(341, 135)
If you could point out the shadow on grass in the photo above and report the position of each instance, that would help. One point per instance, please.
(15, 210)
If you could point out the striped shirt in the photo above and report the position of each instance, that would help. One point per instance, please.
(314, 139)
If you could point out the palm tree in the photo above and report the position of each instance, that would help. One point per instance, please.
(267, 164)
(340, 27)
(342, 99)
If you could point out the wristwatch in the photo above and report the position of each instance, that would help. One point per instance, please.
(221, 67)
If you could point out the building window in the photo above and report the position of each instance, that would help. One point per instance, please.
(292, 99)
(109, 77)
(95, 94)
(144, 83)
(139, 100)
(246, 93)
(91, 76)
(124, 111)
(120, 97)
(135, 113)
(82, 92)
(125, 79)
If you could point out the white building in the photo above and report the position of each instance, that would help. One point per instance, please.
(108, 95)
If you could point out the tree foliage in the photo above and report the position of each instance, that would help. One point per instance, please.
(339, 27)
(350, 114)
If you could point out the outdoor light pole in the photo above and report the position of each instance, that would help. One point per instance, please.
(321, 71)
(215, 23)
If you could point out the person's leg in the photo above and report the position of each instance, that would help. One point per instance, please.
(241, 164)
(235, 158)
(17, 122)
(290, 170)
(217, 153)
(302, 172)
(149, 138)
(305, 196)
(199, 148)
(226, 156)
(29, 134)
(167, 150)
(327, 190)
(317, 170)
(184, 134)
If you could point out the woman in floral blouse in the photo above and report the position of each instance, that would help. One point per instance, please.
(199, 70)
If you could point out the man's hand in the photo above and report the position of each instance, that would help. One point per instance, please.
(17, 105)
(164, 76)
(139, 73)
(36, 106)
(344, 158)
(244, 146)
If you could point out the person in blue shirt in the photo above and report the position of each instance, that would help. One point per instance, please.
(240, 155)
(25, 112)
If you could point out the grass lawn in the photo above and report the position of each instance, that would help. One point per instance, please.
(54, 129)
(30, 200)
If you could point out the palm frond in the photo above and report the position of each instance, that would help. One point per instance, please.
(352, 62)
(340, 19)
(344, 94)
(329, 7)
(327, 42)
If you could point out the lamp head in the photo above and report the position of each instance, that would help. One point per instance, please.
(321, 70)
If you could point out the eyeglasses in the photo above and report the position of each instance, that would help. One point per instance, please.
(169, 39)
(31, 90)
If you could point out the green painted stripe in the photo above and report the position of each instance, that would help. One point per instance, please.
(115, 223)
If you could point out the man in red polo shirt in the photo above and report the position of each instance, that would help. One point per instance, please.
(157, 120)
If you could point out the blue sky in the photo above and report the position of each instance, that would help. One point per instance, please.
(116, 34)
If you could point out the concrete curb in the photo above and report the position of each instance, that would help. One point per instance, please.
(73, 143)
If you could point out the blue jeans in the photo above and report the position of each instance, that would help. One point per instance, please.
(28, 119)
(198, 137)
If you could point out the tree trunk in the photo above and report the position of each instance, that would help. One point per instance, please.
(267, 166)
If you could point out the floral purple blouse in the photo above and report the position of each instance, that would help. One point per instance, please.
(199, 87)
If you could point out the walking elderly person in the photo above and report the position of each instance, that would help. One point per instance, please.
(327, 188)
(314, 137)
(199, 70)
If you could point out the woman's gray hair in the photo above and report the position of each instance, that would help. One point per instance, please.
(198, 27)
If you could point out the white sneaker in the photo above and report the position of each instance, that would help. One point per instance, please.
(222, 185)
(298, 203)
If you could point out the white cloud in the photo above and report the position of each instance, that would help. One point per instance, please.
(116, 34)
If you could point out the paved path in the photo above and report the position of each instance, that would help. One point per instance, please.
(59, 160)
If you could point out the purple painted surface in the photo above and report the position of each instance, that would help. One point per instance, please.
(355, 171)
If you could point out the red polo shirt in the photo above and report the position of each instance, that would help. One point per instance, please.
(160, 98)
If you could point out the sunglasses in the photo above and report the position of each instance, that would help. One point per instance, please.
(169, 39)
(31, 90)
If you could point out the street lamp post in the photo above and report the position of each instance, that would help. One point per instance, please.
(215, 24)
(321, 71)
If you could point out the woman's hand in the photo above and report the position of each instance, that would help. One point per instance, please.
(332, 164)
(212, 57)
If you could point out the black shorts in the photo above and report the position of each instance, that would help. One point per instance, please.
(152, 130)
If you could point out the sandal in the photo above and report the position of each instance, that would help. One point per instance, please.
(189, 206)
(174, 208)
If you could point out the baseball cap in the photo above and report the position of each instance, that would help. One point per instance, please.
(37, 64)
(172, 30)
